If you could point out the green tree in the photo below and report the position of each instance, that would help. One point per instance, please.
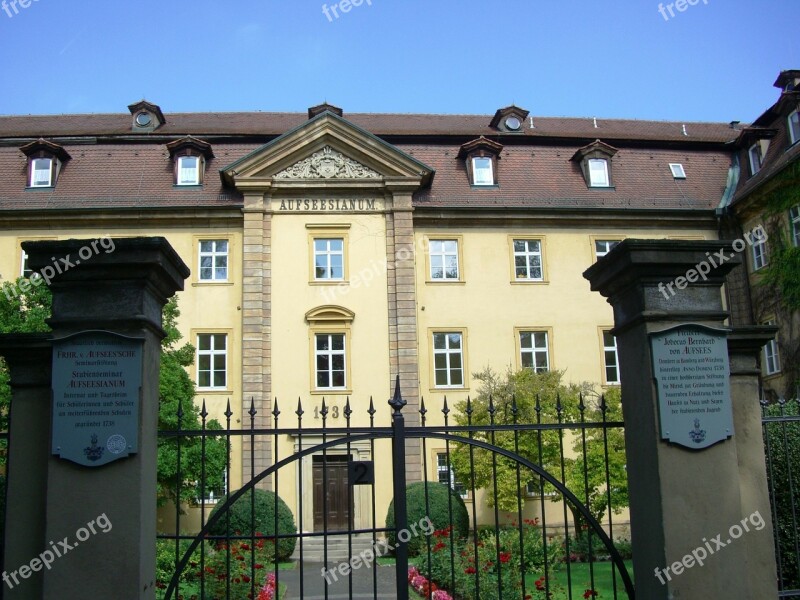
(543, 397)
(24, 308)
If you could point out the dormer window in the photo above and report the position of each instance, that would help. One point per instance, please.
(188, 170)
(595, 163)
(482, 171)
(598, 172)
(190, 156)
(45, 160)
(41, 172)
(147, 116)
(481, 158)
(509, 119)
(754, 153)
(794, 127)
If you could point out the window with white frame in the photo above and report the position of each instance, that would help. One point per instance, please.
(528, 260)
(760, 256)
(603, 247)
(482, 173)
(534, 352)
(214, 260)
(598, 172)
(25, 270)
(754, 153)
(794, 224)
(189, 170)
(443, 256)
(329, 259)
(41, 172)
(446, 475)
(213, 492)
(330, 361)
(794, 127)
(678, 171)
(772, 361)
(610, 358)
(212, 361)
(448, 360)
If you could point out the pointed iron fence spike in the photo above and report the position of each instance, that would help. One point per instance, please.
(445, 409)
(299, 412)
(371, 410)
(203, 411)
(468, 410)
(581, 405)
(275, 410)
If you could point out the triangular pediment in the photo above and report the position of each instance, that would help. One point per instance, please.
(327, 149)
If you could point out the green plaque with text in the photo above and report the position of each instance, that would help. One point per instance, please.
(692, 374)
(97, 379)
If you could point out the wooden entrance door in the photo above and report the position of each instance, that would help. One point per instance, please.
(337, 504)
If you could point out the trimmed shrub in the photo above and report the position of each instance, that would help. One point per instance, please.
(262, 523)
(438, 513)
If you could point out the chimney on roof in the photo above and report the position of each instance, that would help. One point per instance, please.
(684, 130)
(735, 124)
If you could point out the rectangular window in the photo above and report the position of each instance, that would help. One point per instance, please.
(188, 170)
(212, 359)
(760, 256)
(444, 260)
(41, 172)
(214, 492)
(447, 476)
(328, 259)
(534, 351)
(25, 271)
(754, 152)
(677, 170)
(794, 127)
(329, 355)
(528, 260)
(603, 247)
(214, 260)
(598, 172)
(610, 358)
(772, 361)
(794, 224)
(482, 171)
(448, 360)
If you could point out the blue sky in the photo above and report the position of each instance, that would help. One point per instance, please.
(715, 61)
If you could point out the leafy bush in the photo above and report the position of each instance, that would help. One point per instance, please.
(532, 544)
(165, 568)
(470, 569)
(260, 523)
(238, 562)
(440, 500)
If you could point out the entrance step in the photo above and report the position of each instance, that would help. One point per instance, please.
(314, 548)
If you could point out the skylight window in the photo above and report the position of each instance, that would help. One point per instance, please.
(677, 170)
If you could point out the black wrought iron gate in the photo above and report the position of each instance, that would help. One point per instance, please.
(451, 551)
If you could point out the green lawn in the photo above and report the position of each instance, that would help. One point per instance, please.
(581, 580)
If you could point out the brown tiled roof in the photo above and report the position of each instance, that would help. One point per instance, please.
(544, 176)
(381, 124)
(532, 172)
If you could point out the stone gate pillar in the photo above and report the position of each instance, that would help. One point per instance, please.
(700, 512)
(99, 503)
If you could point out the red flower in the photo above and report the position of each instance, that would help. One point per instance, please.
(589, 594)
(540, 584)
(438, 546)
(469, 570)
(505, 557)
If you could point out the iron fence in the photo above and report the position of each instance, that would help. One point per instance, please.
(781, 429)
(528, 508)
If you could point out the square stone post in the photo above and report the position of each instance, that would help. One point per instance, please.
(119, 288)
(684, 500)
